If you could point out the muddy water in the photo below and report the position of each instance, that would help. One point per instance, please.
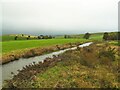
(19, 64)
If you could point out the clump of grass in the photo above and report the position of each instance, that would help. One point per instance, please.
(109, 52)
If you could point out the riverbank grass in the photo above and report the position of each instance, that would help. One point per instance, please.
(95, 66)
(82, 70)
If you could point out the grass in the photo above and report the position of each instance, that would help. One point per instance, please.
(95, 66)
(26, 44)
(12, 37)
(117, 43)
(81, 68)
(94, 36)
(71, 72)
(7, 38)
(9, 44)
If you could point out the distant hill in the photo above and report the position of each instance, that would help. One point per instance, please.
(11, 37)
(79, 36)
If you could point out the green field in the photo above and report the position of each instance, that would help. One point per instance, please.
(94, 36)
(25, 44)
(12, 37)
(117, 43)
(9, 44)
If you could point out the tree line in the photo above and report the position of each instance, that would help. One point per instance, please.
(106, 36)
(111, 36)
(38, 37)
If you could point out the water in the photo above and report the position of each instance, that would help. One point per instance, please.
(19, 64)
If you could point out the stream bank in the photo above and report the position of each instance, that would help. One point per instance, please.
(35, 52)
(76, 68)
(13, 67)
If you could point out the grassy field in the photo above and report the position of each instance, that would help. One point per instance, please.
(117, 43)
(10, 44)
(95, 66)
(12, 37)
(82, 68)
(15, 49)
(93, 36)
(25, 44)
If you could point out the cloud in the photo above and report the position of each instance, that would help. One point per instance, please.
(65, 16)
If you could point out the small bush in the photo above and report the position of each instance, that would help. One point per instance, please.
(110, 53)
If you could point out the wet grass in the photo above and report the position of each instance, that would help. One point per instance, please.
(82, 68)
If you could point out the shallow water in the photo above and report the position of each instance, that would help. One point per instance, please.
(19, 64)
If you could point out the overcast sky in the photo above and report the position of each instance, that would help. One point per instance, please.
(59, 16)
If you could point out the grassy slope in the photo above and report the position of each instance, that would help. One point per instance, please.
(81, 68)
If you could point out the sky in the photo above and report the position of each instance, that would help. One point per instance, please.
(56, 17)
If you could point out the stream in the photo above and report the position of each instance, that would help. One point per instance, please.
(19, 64)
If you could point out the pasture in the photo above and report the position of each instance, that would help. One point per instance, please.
(11, 37)
(26, 44)
(9, 44)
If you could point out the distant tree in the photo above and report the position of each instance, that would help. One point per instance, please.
(86, 36)
(105, 36)
(53, 37)
(22, 34)
(50, 37)
(112, 36)
(65, 36)
(45, 37)
(28, 37)
(16, 37)
(118, 35)
(39, 37)
(69, 36)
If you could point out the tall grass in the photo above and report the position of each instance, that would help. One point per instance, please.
(81, 68)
